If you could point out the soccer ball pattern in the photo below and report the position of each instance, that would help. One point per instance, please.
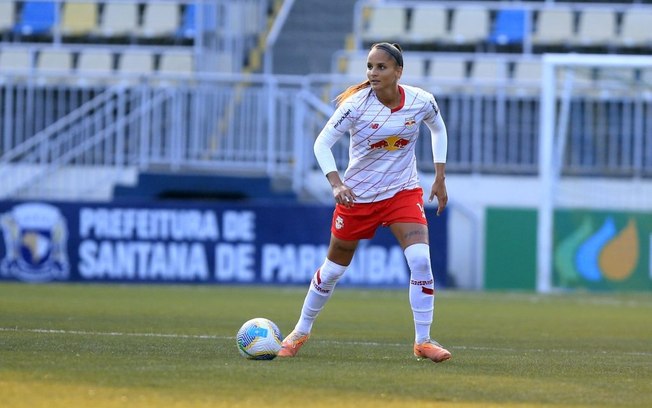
(259, 339)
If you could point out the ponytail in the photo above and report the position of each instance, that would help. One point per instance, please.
(350, 91)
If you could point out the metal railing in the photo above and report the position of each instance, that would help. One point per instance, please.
(266, 125)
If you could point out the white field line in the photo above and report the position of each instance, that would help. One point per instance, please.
(354, 343)
(117, 334)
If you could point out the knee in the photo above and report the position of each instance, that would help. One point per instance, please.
(330, 275)
(326, 277)
(341, 252)
(418, 259)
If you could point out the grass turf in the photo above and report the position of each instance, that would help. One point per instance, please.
(174, 346)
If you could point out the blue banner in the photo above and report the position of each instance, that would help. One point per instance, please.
(192, 242)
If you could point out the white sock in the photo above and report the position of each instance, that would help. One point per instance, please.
(321, 289)
(422, 289)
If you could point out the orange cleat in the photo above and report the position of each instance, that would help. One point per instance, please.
(432, 350)
(292, 343)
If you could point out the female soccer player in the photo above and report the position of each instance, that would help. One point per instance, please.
(380, 188)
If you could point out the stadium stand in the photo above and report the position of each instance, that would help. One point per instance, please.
(455, 62)
(417, 25)
(502, 27)
(228, 32)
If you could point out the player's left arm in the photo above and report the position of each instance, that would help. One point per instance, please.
(439, 140)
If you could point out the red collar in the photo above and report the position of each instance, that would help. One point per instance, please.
(400, 105)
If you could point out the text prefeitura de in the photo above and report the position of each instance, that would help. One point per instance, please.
(166, 224)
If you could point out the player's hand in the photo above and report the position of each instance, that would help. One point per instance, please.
(439, 190)
(344, 195)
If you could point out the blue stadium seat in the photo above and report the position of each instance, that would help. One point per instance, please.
(188, 22)
(187, 29)
(509, 27)
(37, 17)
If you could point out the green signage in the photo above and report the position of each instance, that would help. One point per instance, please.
(602, 250)
(510, 249)
(592, 250)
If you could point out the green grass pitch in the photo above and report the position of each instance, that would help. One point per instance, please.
(174, 346)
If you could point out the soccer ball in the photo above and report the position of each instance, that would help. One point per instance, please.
(259, 339)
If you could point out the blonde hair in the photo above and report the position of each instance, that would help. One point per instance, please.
(397, 56)
(350, 91)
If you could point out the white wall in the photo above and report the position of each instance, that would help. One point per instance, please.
(84, 183)
(470, 195)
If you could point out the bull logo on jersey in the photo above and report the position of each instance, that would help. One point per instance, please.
(35, 236)
(390, 143)
(409, 122)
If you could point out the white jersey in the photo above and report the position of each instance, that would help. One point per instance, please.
(382, 161)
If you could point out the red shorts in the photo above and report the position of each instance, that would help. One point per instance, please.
(362, 220)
